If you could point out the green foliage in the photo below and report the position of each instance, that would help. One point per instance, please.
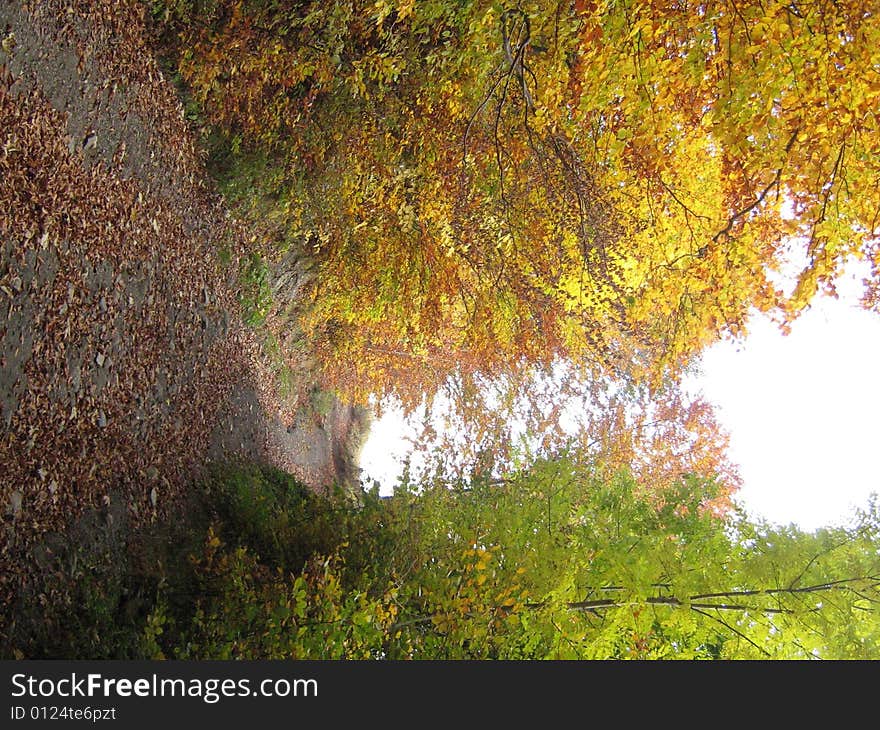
(488, 191)
(256, 295)
(321, 401)
(255, 540)
(552, 562)
(556, 561)
(283, 573)
(244, 611)
(92, 598)
(181, 11)
(275, 517)
(98, 617)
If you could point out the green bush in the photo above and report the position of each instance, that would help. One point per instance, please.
(273, 515)
(270, 580)
(250, 534)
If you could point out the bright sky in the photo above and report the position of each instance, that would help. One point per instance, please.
(802, 410)
(386, 448)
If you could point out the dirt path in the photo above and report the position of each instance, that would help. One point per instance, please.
(124, 365)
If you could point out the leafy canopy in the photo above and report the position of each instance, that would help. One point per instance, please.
(554, 562)
(488, 186)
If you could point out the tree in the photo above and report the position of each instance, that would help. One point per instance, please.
(555, 561)
(491, 427)
(489, 186)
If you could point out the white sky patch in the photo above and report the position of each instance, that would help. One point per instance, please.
(802, 410)
(386, 449)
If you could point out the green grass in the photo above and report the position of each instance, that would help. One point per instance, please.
(321, 401)
(256, 295)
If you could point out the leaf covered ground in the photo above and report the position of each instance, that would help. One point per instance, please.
(124, 362)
